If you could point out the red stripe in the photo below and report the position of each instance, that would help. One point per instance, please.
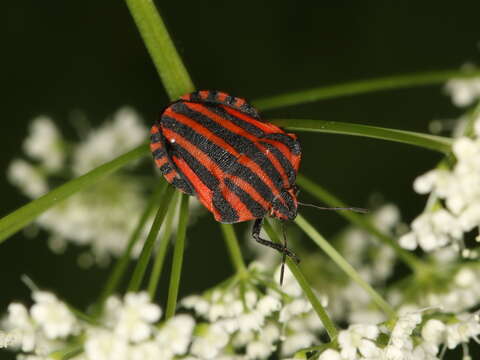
(203, 94)
(221, 96)
(203, 193)
(155, 146)
(154, 129)
(162, 161)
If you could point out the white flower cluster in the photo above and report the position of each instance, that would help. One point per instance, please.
(464, 92)
(253, 324)
(409, 339)
(42, 329)
(101, 216)
(459, 189)
(455, 290)
(128, 330)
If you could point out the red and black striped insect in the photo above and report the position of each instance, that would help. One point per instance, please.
(215, 146)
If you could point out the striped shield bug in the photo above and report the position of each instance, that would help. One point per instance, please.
(216, 147)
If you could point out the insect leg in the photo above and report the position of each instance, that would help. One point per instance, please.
(257, 226)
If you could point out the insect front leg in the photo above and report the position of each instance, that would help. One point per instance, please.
(257, 226)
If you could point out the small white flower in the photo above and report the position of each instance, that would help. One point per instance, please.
(434, 331)
(460, 332)
(104, 345)
(330, 354)
(259, 350)
(297, 341)
(176, 334)
(136, 316)
(294, 308)
(209, 344)
(28, 178)
(357, 338)
(197, 303)
(463, 91)
(10, 339)
(52, 315)
(425, 183)
(268, 304)
(45, 143)
(19, 320)
(252, 320)
(466, 277)
(149, 350)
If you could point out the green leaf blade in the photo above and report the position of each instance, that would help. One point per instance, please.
(432, 142)
(160, 46)
(361, 87)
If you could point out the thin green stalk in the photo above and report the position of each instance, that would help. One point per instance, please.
(145, 255)
(361, 87)
(160, 46)
(343, 264)
(66, 353)
(307, 289)
(122, 263)
(233, 248)
(432, 142)
(21, 217)
(162, 247)
(362, 221)
(177, 259)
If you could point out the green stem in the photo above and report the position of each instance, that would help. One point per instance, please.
(66, 353)
(21, 217)
(428, 141)
(320, 193)
(162, 247)
(122, 263)
(233, 248)
(160, 46)
(177, 259)
(361, 87)
(307, 289)
(344, 265)
(145, 255)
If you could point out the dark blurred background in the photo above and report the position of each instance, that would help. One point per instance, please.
(59, 56)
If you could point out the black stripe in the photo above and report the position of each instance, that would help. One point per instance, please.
(227, 213)
(198, 168)
(183, 185)
(230, 100)
(292, 213)
(292, 144)
(255, 208)
(195, 96)
(287, 166)
(250, 128)
(165, 168)
(240, 143)
(250, 110)
(159, 153)
(226, 161)
(156, 137)
(212, 96)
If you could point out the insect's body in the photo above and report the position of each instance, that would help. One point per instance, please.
(216, 147)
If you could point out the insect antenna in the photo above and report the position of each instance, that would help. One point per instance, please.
(284, 256)
(355, 209)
